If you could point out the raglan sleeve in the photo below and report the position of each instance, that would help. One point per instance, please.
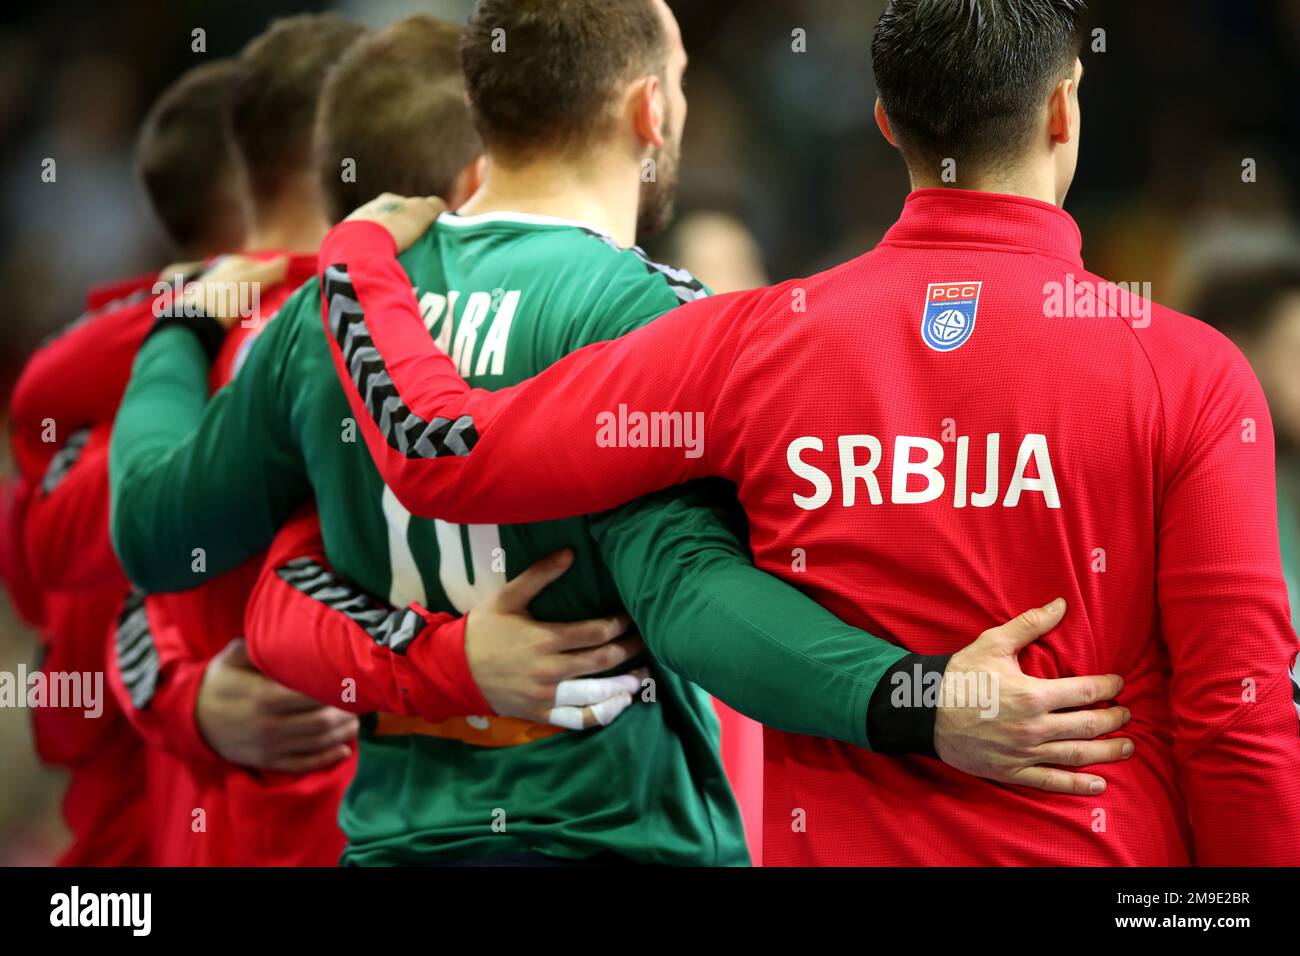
(550, 447)
(1225, 615)
(199, 486)
(317, 633)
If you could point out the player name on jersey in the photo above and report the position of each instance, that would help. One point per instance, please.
(495, 309)
(919, 471)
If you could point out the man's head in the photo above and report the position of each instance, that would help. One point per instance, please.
(273, 109)
(1256, 303)
(393, 118)
(991, 85)
(186, 166)
(581, 81)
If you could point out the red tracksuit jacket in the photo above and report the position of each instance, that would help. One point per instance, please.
(942, 451)
(162, 646)
(64, 577)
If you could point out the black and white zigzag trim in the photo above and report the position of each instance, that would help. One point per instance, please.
(1295, 688)
(685, 286)
(137, 655)
(394, 629)
(404, 430)
(63, 460)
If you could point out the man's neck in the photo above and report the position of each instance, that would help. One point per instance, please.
(297, 235)
(1012, 183)
(603, 194)
(292, 222)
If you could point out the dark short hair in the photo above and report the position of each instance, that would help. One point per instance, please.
(395, 106)
(1241, 297)
(182, 154)
(551, 89)
(966, 79)
(273, 109)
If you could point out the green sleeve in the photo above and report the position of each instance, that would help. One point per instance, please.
(684, 572)
(199, 486)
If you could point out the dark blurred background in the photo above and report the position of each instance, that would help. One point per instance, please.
(783, 170)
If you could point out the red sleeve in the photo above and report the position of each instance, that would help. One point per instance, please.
(314, 632)
(109, 294)
(156, 676)
(561, 444)
(1224, 612)
(75, 381)
(27, 598)
(7, 535)
(65, 536)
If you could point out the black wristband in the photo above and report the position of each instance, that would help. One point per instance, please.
(206, 329)
(904, 705)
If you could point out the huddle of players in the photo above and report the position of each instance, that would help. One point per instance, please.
(240, 770)
(199, 759)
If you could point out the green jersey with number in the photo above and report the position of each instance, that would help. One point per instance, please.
(505, 296)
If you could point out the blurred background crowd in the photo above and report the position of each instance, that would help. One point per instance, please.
(783, 174)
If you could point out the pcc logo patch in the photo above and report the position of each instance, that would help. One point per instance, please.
(950, 309)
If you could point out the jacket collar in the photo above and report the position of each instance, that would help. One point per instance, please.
(960, 217)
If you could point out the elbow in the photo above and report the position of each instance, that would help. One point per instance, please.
(415, 495)
(139, 573)
(148, 575)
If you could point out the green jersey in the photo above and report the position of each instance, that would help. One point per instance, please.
(505, 296)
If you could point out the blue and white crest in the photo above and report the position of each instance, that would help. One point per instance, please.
(950, 309)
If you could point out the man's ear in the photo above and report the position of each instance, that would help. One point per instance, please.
(467, 183)
(882, 121)
(647, 104)
(1060, 105)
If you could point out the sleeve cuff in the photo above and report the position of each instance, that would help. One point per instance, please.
(348, 240)
(439, 682)
(904, 705)
(175, 708)
(207, 330)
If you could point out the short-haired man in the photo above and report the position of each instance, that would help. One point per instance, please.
(393, 111)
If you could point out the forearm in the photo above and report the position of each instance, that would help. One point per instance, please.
(161, 408)
(197, 487)
(1243, 798)
(312, 631)
(156, 679)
